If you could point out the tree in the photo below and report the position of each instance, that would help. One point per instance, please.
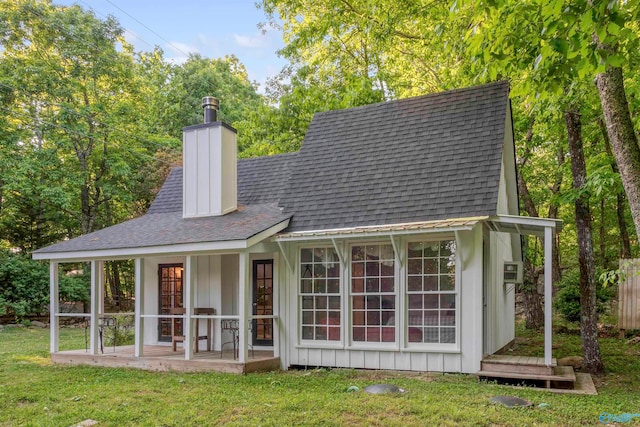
(588, 318)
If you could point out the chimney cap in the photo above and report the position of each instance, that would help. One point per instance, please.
(211, 102)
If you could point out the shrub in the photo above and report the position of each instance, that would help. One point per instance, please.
(24, 286)
(568, 297)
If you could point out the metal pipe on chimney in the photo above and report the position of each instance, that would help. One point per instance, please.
(211, 106)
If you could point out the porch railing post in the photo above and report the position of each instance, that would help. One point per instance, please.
(190, 274)
(139, 308)
(548, 248)
(243, 297)
(54, 307)
(95, 297)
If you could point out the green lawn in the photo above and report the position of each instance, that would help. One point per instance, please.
(35, 392)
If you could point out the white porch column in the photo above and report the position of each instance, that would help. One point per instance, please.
(548, 248)
(191, 269)
(244, 305)
(54, 307)
(276, 305)
(139, 308)
(100, 279)
(94, 343)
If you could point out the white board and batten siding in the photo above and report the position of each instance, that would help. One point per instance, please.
(465, 356)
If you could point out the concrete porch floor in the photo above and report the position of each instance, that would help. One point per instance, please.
(163, 358)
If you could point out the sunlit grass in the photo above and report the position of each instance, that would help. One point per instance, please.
(34, 392)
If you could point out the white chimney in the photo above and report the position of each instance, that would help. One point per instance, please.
(209, 160)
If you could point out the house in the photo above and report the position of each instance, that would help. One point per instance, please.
(381, 244)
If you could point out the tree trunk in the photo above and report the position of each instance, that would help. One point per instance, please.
(622, 136)
(588, 315)
(602, 234)
(625, 250)
(531, 298)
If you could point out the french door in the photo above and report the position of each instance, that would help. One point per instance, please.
(170, 296)
(263, 301)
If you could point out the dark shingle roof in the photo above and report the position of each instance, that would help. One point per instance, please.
(157, 229)
(260, 180)
(417, 159)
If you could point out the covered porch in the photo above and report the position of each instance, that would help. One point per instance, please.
(224, 301)
(163, 358)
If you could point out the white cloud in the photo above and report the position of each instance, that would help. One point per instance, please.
(256, 41)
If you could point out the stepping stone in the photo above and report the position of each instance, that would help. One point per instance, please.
(383, 389)
(511, 401)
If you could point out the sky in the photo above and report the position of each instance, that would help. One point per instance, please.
(212, 28)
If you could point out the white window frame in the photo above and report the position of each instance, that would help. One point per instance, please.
(432, 347)
(376, 345)
(311, 343)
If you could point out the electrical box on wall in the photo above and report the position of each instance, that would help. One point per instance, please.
(512, 272)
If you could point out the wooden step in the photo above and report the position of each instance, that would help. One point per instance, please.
(517, 364)
(563, 377)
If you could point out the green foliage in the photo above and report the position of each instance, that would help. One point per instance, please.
(24, 286)
(568, 297)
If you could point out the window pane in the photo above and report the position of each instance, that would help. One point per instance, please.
(306, 286)
(357, 253)
(332, 256)
(307, 302)
(415, 250)
(373, 317)
(415, 301)
(373, 269)
(333, 270)
(388, 334)
(431, 334)
(307, 317)
(306, 271)
(357, 285)
(357, 269)
(431, 301)
(319, 255)
(448, 318)
(358, 334)
(358, 318)
(386, 252)
(373, 334)
(431, 317)
(430, 266)
(333, 286)
(386, 284)
(430, 283)
(321, 303)
(306, 255)
(414, 266)
(307, 332)
(414, 283)
(448, 335)
(373, 252)
(373, 302)
(319, 286)
(431, 249)
(448, 301)
(447, 282)
(358, 302)
(334, 303)
(389, 302)
(319, 270)
(373, 285)
(415, 317)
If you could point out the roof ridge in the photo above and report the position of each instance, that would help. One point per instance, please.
(445, 93)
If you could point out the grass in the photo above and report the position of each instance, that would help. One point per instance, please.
(33, 392)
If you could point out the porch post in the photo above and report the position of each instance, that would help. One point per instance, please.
(95, 297)
(139, 308)
(189, 285)
(54, 307)
(243, 297)
(100, 279)
(276, 305)
(548, 248)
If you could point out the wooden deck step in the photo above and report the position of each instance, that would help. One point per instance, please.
(562, 374)
(517, 365)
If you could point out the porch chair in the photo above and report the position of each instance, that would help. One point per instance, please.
(177, 333)
(233, 326)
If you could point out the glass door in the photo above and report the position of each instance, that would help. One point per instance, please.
(263, 302)
(170, 296)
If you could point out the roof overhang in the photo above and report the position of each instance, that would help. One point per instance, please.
(227, 246)
(523, 225)
(458, 224)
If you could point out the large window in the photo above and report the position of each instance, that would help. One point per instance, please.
(431, 292)
(373, 298)
(320, 294)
